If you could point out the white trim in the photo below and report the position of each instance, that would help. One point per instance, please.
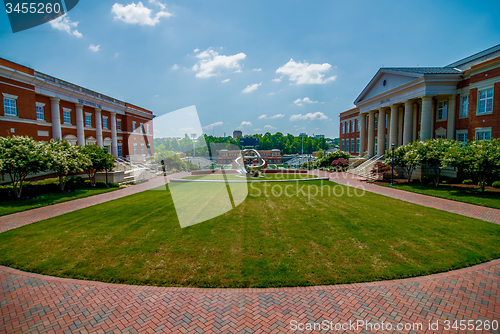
(10, 96)
(42, 133)
(461, 104)
(6, 83)
(478, 99)
(40, 104)
(66, 109)
(437, 110)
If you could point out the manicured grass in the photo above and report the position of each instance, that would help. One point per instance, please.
(467, 195)
(13, 206)
(264, 177)
(266, 241)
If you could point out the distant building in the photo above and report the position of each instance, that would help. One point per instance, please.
(249, 142)
(227, 157)
(237, 133)
(319, 136)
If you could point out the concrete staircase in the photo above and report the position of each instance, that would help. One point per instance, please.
(136, 172)
(363, 168)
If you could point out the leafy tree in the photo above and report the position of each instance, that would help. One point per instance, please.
(65, 159)
(407, 157)
(433, 152)
(379, 168)
(21, 156)
(320, 154)
(99, 160)
(340, 164)
(482, 158)
(326, 160)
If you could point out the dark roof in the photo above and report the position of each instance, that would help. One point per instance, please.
(475, 56)
(424, 70)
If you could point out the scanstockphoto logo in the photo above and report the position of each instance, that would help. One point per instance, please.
(25, 14)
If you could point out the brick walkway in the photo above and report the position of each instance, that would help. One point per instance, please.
(33, 303)
(465, 209)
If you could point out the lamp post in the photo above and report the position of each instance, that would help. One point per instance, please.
(106, 151)
(392, 164)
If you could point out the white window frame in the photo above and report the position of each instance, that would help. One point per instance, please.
(357, 145)
(348, 127)
(461, 114)
(89, 115)
(40, 110)
(135, 148)
(462, 132)
(478, 110)
(141, 127)
(9, 98)
(105, 122)
(443, 107)
(482, 131)
(352, 145)
(147, 128)
(133, 126)
(118, 124)
(66, 111)
(120, 150)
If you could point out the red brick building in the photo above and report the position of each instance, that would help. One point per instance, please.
(44, 107)
(459, 101)
(272, 156)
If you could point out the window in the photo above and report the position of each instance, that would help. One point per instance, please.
(359, 125)
(119, 124)
(141, 128)
(462, 136)
(40, 115)
(133, 126)
(119, 150)
(376, 145)
(342, 147)
(142, 149)
(357, 145)
(147, 128)
(342, 127)
(67, 116)
(485, 101)
(440, 136)
(88, 120)
(135, 148)
(483, 134)
(352, 144)
(348, 127)
(442, 110)
(9, 106)
(347, 145)
(376, 121)
(464, 107)
(149, 149)
(104, 122)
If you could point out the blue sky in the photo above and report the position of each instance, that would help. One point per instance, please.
(299, 63)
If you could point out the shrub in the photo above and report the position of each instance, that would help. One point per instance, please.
(88, 184)
(379, 168)
(100, 184)
(114, 185)
(482, 184)
(340, 164)
(496, 184)
(76, 182)
(467, 181)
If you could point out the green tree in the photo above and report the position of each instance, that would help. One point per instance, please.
(407, 157)
(99, 160)
(65, 159)
(433, 152)
(482, 158)
(21, 156)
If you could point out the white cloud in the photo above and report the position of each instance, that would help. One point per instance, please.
(159, 4)
(277, 80)
(175, 67)
(257, 69)
(138, 14)
(271, 94)
(210, 63)
(277, 116)
(94, 48)
(157, 95)
(211, 126)
(65, 24)
(226, 80)
(196, 50)
(270, 127)
(116, 55)
(245, 123)
(309, 117)
(258, 129)
(262, 116)
(299, 102)
(251, 88)
(305, 73)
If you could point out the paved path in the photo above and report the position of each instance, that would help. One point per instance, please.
(465, 209)
(33, 303)
(15, 220)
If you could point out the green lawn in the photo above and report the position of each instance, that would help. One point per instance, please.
(14, 205)
(239, 177)
(266, 241)
(467, 195)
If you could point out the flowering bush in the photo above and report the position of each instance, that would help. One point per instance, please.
(327, 159)
(379, 168)
(65, 159)
(340, 164)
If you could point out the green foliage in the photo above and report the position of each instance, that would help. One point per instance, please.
(173, 163)
(467, 181)
(99, 160)
(21, 156)
(320, 154)
(433, 152)
(327, 160)
(65, 159)
(113, 185)
(101, 184)
(496, 184)
(407, 157)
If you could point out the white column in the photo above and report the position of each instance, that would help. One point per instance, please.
(114, 143)
(408, 123)
(56, 117)
(426, 124)
(381, 132)
(80, 132)
(362, 134)
(415, 121)
(371, 134)
(393, 137)
(450, 131)
(433, 118)
(400, 125)
(98, 127)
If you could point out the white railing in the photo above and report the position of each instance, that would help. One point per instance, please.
(364, 170)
